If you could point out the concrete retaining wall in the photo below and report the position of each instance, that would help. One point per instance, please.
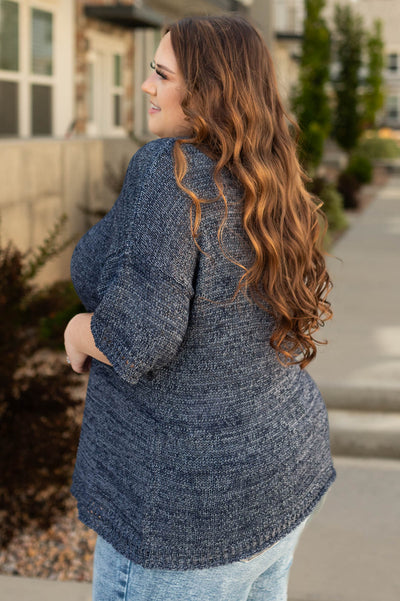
(42, 179)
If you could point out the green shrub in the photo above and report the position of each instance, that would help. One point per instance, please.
(38, 438)
(379, 148)
(360, 167)
(332, 205)
(53, 307)
(348, 186)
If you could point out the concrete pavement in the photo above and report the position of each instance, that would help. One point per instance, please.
(362, 358)
(358, 372)
(350, 551)
(14, 588)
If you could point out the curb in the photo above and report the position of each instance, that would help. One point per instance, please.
(17, 588)
(365, 434)
(362, 399)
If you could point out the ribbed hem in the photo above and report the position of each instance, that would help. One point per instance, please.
(132, 545)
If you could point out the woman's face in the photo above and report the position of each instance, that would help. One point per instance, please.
(165, 88)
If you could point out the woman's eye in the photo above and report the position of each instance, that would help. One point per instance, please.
(159, 73)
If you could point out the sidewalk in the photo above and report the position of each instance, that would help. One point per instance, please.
(363, 353)
(14, 588)
(351, 549)
(358, 372)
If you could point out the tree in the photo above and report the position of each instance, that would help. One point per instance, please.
(373, 96)
(310, 102)
(349, 37)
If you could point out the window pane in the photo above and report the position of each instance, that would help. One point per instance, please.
(117, 70)
(392, 107)
(117, 109)
(9, 108)
(8, 35)
(392, 62)
(41, 110)
(42, 42)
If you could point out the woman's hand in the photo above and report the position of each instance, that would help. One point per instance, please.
(79, 344)
(78, 359)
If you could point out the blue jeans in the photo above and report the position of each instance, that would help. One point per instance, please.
(263, 577)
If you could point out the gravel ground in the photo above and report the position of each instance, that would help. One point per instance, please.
(63, 552)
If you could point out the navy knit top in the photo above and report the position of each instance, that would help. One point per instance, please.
(198, 448)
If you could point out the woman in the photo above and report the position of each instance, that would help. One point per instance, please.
(205, 444)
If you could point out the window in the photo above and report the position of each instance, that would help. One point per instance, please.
(9, 35)
(41, 64)
(9, 104)
(393, 108)
(9, 65)
(392, 64)
(105, 89)
(117, 90)
(41, 110)
(289, 15)
(26, 69)
(42, 42)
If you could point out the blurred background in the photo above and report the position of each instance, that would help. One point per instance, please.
(71, 115)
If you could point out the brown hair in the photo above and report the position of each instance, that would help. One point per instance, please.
(233, 105)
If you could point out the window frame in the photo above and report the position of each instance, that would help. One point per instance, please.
(16, 76)
(100, 59)
(117, 90)
(393, 66)
(24, 77)
(393, 106)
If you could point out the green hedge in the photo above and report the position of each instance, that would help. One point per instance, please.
(379, 148)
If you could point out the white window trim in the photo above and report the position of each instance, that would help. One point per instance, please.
(27, 77)
(64, 67)
(109, 46)
(63, 54)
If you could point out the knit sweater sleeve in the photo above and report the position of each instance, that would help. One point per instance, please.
(146, 282)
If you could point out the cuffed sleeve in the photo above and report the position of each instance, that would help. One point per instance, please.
(146, 283)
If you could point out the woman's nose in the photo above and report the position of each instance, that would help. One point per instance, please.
(149, 87)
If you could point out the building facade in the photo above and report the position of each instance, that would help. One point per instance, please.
(71, 106)
(72, 67)
(288, 16)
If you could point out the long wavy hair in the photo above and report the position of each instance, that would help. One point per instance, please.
(233, 105)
